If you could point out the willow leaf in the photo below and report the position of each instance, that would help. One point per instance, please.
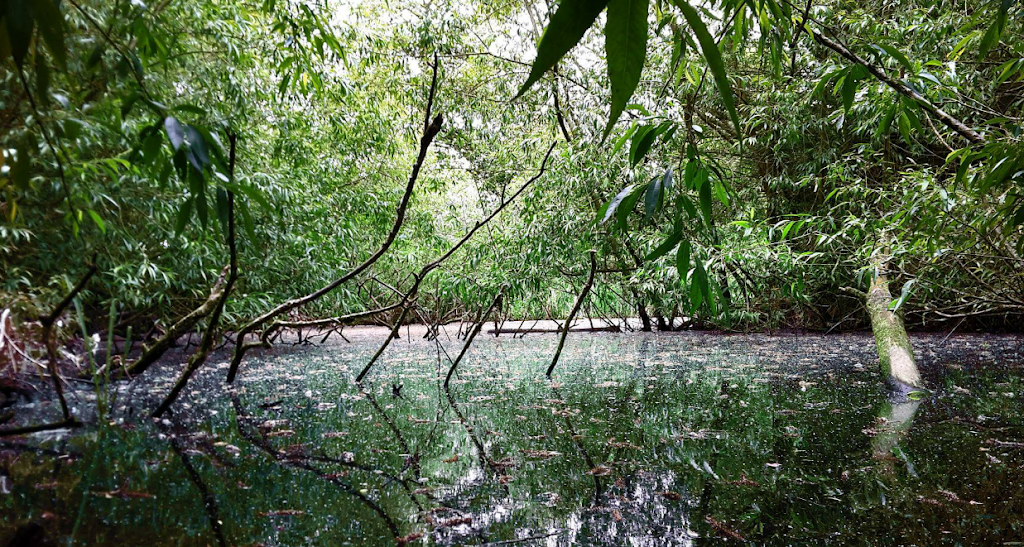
(626, 48)
(567, 27)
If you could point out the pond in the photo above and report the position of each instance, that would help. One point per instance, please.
(639, 439)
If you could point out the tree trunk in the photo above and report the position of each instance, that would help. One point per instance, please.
(895, 355)
(641, 310)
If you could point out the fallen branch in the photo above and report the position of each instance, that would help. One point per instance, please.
(430, 130)
(66, 423)
(418, 278)
(524, 332)
(51, 344)
(325, 322)
(469, 338)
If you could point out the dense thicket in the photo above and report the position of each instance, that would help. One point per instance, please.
(745, 184)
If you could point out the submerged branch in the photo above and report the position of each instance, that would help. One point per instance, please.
(210, 335)
(51, 344)
(469, 338)
(575, 309)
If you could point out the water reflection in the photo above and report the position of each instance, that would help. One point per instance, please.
(639, 440)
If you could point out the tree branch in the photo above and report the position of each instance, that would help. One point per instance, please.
(575, 309)
(430, 130)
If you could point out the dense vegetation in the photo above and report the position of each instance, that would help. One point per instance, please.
(748, 170)
(240, 171)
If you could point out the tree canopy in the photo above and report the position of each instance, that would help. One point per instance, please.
(733, 163)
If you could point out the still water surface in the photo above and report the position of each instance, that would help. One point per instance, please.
(641, 440)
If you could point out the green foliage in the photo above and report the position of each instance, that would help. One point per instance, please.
(626, 46)
(767, 190)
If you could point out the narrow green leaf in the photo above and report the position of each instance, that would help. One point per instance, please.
(621, 141)
(191, 109)
(721, 194)
(184, 214)
(683, 261)
(99, 221)
(995, 30)
(886, 124)
(849, 91)
(696, 294)
(653, 197)
(900, 57)
(705, 203)
(688, 205)
(643, 143)
(904, 123)
(714, 59)
(702, 280)
(42, 79)
(20, 24)
(626, 49)
(566, 28)
(254, 194)
(198, 154)
(666, 246)
(51, 28)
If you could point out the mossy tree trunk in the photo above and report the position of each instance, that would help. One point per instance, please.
(895, 354)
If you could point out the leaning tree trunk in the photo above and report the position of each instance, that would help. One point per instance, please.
(895, 355)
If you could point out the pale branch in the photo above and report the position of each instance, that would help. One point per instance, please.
(575, 309)
(63, 424)
(325, 322)
(430, 130)
(418, 278)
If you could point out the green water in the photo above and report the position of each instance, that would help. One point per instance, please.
(640, 440)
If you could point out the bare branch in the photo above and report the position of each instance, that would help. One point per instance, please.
(430, 130)
(575, 309)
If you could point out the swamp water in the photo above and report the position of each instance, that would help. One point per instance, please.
(673, 439)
